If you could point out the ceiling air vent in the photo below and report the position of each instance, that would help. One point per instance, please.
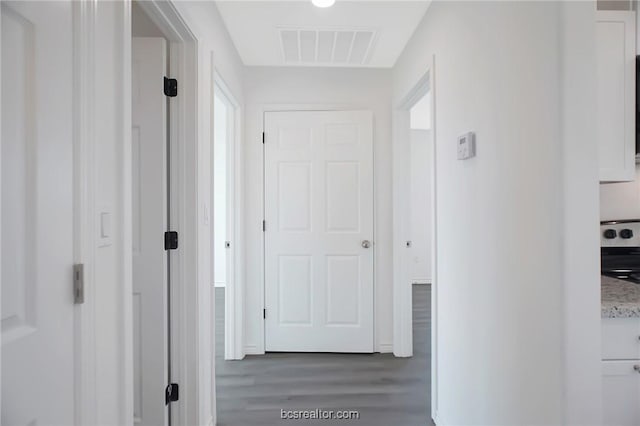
(338, 47)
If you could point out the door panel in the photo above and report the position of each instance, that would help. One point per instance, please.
(318, 211)
(149, 158)
(37, 214)
(621, 393)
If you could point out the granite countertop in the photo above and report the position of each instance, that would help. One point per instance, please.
(620, 299)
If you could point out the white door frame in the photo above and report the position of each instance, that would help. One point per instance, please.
(74, 245)
(184, 207)
(85, 208)
(402, 287)
(234, 288)
(262, 110)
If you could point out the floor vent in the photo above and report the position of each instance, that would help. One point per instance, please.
(341, 47)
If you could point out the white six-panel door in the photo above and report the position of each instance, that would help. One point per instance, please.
(319, 231)
(37, 214)
(149, 164)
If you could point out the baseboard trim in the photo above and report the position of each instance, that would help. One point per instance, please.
(252, 350)
(385, 348)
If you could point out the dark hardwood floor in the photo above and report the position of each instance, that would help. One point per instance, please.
(385, 390)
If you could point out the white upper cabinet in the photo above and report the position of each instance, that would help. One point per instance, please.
(616, 94)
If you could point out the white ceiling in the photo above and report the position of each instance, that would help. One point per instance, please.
(359, 33)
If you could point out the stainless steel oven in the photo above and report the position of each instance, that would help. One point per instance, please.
(620, 249)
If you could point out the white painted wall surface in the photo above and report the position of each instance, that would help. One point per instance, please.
(420, 262)
(420, 114)
(511, 295)
(349, 89)
(205, 21)
(620, 200)
(581, 249)
(141, 24)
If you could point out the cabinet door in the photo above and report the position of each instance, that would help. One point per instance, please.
(621, 393)
(616, 94)
(620, 338)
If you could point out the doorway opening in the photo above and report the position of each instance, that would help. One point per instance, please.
(415, 226)
(420, 141)
(225, 240)
(419, 246)
(187, 297)
(150, 161)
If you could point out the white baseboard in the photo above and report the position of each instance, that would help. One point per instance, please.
(385, 348)
(422, 281)
(252, 350)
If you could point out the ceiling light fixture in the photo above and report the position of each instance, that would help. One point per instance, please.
(323, 3)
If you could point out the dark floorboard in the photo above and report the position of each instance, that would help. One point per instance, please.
(385, 390)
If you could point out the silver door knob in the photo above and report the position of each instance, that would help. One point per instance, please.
(366, 244)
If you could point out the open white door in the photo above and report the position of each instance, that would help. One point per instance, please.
(149, 163)
(37, 214)
(319, 231)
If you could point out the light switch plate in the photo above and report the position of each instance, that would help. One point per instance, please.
(105, 230)
(467, 146)
(105, 225)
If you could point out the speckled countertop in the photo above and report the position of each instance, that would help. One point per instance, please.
(620, 299)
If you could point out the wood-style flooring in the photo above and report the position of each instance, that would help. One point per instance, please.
(387, 391)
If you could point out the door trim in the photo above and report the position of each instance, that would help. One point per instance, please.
(234, 286)
(85, 388)
(262, 110)
(184, 210)
(183, 137)
(1, 207)
(402, 287)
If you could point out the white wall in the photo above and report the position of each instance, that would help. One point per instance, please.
(420, 113)
(141, 24)
(420, 269)
(205, 21)
(507, 257)
(348, 88)
(620, 200)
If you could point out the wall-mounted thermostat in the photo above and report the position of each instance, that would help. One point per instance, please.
(467, 146)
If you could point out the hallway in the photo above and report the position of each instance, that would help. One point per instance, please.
(385, 390)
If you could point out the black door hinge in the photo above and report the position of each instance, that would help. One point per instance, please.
(170, 87)
(264, 313)
(170, 240)
(263, 137)
(264, 226)
(171, 393)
